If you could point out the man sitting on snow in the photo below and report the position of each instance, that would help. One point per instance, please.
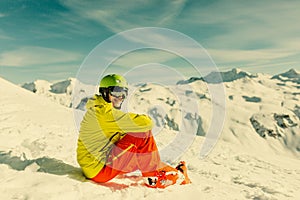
(112, 142)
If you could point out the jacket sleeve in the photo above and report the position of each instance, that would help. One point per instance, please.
(131, 122)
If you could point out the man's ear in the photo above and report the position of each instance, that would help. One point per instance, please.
(105, 94)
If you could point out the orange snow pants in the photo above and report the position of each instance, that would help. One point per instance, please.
(135, 151)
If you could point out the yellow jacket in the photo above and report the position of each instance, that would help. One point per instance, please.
(100, 128)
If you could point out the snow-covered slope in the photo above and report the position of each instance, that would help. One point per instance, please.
(32, 124)
(256, 157)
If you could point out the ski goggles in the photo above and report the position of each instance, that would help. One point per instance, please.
(118, 92)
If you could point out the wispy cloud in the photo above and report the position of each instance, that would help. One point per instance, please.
(253, 33)
(31, 55)
(145, 56)
(122, 15)
(270, 61)
(252, 24)
(167, 40)
(250, 56)
(4, 36)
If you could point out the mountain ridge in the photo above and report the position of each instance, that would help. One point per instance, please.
(228, 76)
(290, 76)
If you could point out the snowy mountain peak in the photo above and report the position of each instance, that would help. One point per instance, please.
(219, 77)
(38, 86)
(290, 76)
(292, 73)
(60, 87)
(228, 76)
(60, 91)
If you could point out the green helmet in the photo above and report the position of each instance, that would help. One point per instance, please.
(113, 80)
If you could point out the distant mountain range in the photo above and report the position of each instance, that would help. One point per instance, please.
(218, 77)
(63, 91)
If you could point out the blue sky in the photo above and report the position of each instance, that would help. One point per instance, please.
(49, 39)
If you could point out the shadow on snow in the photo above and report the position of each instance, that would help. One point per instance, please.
(46, 165)
(58, 167)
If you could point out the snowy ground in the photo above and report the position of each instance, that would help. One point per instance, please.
(38, 145)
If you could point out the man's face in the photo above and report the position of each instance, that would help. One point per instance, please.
(117, 96)
(116, 101)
